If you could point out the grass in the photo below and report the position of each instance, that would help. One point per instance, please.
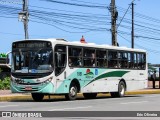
(5, 83)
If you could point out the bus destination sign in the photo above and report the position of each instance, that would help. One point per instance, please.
(31, 45)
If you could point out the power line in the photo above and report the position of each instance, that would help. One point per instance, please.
(88, 2)
(19, 2)
(140, 15)
(138, 36)
(80, 18)
(58, 27)
(150, 50)
(68, 11)
(76, 4)
(125, 13)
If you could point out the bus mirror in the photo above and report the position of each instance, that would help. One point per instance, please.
(7, 60)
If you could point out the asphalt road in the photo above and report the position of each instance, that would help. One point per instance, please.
(148, 102)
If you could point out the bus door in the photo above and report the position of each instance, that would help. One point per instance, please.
(60, 65)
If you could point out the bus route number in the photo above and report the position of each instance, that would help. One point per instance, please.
(79, 73)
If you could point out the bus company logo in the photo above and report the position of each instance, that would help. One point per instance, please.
(6, 114)
(89, 74)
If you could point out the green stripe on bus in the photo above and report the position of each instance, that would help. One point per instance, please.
(109, 74)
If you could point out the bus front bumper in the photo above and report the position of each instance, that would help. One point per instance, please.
(41, 88)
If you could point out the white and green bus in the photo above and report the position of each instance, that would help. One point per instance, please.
(56, 66)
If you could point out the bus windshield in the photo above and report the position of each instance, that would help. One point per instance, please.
(32, 61)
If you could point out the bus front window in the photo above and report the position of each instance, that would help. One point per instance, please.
(38, 61)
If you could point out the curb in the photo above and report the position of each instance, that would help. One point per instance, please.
(144, 92)
(15, 97)
(28, 97)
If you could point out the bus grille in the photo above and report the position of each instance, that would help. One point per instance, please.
(33, 89)
(29, 83)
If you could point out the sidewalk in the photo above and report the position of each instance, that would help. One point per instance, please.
(6, 95)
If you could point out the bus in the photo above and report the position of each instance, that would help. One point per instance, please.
(56, 66)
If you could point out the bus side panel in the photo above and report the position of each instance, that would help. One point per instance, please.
(135, 81)
(99, 80)
(63, 81)
(102, 85)
(106, 81)
(84, 76)
(62, 84)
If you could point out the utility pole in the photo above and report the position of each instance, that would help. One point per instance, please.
(132, 25)
(114, 15)
(23, 16)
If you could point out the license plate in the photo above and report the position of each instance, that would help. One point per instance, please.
(28, 88)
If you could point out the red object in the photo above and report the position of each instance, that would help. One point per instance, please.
(28, 88)
(88, 70)
(82, 40)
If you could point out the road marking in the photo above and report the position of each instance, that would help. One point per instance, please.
(70, 108)
(3, 102)
(152, 96)
(134, 102)
(9, 106)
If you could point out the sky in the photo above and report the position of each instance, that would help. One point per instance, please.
(70, 19)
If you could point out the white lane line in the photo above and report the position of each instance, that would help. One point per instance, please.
(152, 96)
(134, 102)
(3, 102)
(8, 106)
(70, 108)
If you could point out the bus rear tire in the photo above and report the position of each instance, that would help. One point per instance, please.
(72, 95)
(121, 90)
(37, 97)
(90, 95)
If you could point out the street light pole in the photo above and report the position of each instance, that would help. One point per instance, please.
(132, 25)
(114, 15)
(23, 16)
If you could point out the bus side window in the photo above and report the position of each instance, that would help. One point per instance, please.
(75, 57)
(89, 59)
(131, 60)
(112, 59)
(141, 61)
(124, 60)
(135, 61)
(101, 56)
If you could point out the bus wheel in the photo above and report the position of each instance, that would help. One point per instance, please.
(72, 95)
(37, 97)
(121, 90)
(89, 95)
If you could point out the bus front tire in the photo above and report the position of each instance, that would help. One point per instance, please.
(121, 90)
(72, 95)
(90, 95)
(37, 97)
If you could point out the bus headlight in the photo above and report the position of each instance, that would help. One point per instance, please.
(47, 81)
(50, 79)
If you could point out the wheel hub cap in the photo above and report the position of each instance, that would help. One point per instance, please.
(73, 91)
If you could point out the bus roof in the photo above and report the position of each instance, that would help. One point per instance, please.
(78, 43)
